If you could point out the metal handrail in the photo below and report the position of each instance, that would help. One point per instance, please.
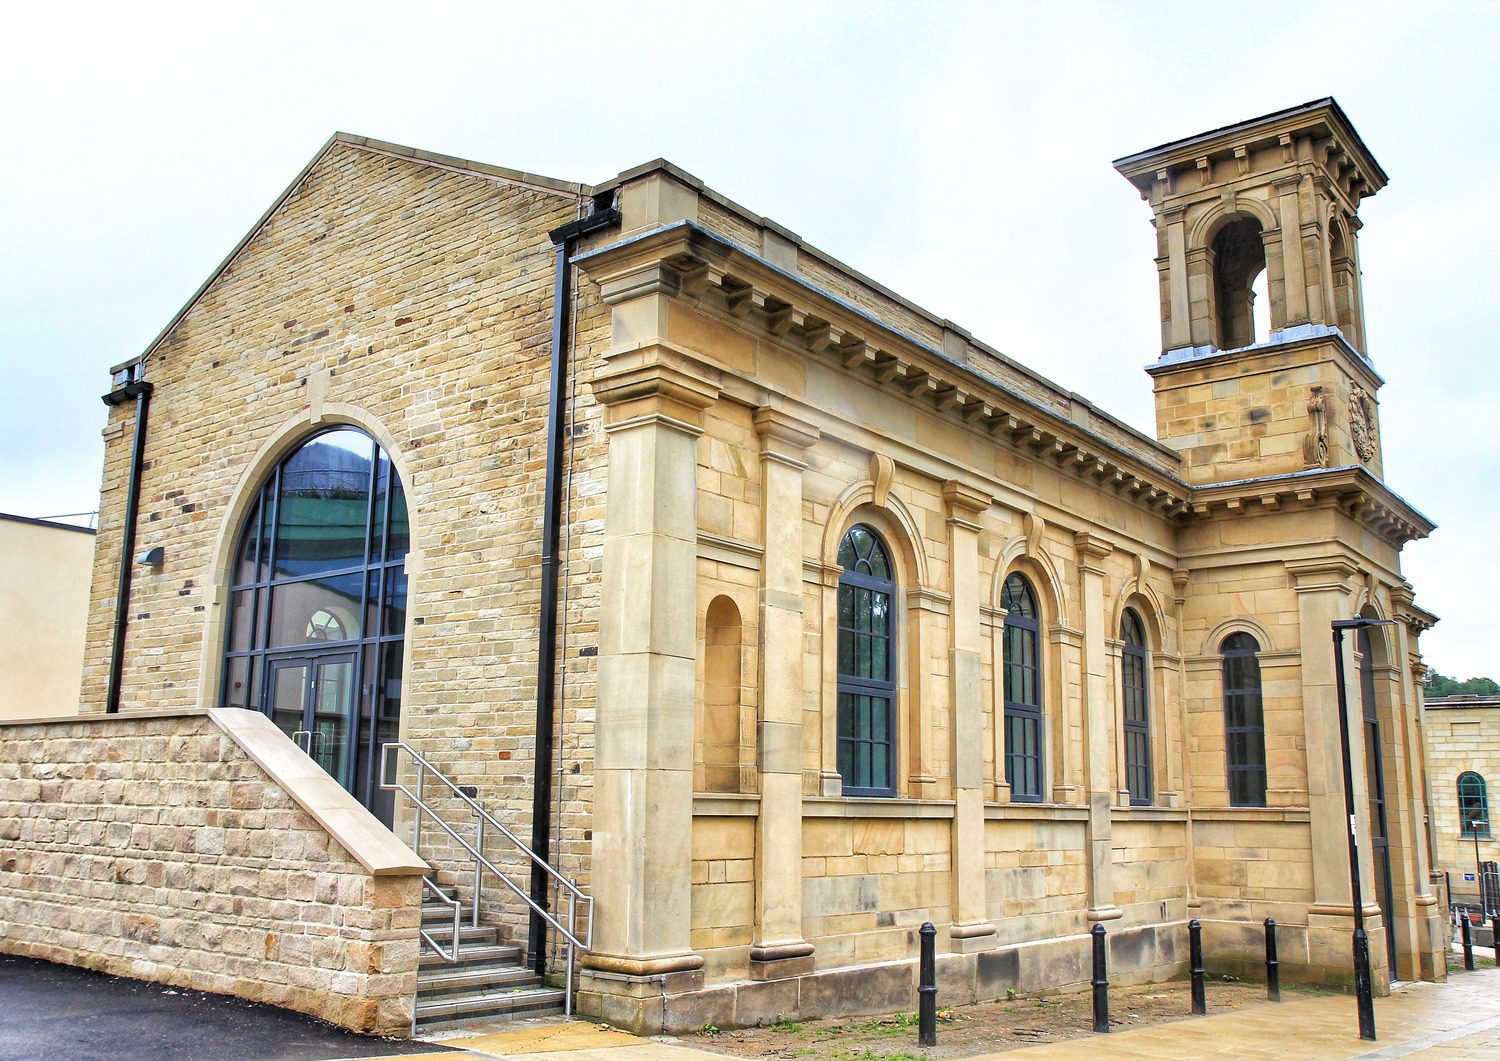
(575, 895)
(457, 910)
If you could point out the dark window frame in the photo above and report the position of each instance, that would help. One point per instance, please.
(1135, 708)
(1251, 699)
(1024, 720)
(860, 696)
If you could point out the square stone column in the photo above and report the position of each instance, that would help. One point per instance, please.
(971, 928)
(643, 780)
(1323, 588)
(1099, 725)
(1428, 935)
(779, 949)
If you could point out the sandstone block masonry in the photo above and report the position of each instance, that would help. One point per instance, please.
(184, 849)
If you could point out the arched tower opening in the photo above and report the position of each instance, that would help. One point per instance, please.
(1239, 257)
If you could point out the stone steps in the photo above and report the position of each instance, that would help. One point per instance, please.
(488, 982)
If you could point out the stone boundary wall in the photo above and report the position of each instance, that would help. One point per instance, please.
(203, 850)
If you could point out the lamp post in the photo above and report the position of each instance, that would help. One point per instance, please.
(1476, 824)
(1362, 991)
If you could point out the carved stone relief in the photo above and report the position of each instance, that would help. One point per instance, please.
(1361, 423)
(1315, 443)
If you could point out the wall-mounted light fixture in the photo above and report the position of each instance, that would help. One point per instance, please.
(154, 557)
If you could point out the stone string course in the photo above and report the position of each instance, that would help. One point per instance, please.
(156, 848)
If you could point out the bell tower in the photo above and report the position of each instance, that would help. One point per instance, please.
(1271, 203)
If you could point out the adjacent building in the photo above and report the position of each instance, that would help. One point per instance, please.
(46, 567)
(777, 612)
(1463, 762)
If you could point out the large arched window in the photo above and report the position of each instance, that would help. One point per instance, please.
(867, 665)
(318, 606)
(1023, 690)
(1136, 704)
(1244, 722)
(1473, 805)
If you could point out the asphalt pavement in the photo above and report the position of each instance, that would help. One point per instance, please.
(50, 1011)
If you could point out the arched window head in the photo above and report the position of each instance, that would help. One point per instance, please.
(1136, 707)
(1244, 721)
(1473, 805)
(1239, 256)
(867, 665)
(317, 606)
(1023, 690)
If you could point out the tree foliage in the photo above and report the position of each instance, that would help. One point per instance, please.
(1442, 685)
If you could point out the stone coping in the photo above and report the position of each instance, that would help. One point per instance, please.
(380, 851)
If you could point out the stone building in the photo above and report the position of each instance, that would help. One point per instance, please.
(1462, 735)
(848, 620)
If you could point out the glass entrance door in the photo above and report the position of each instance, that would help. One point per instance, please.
(312, 700)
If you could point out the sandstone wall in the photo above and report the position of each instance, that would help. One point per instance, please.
(159, 847)
(414, 300)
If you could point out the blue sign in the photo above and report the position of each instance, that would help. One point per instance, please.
(1468, 876)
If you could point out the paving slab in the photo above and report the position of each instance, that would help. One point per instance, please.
(1457, 1019)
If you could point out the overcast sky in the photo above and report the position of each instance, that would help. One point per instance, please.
(959, 153)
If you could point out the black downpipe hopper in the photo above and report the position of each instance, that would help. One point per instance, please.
(1273, 967)
(1101, 979)
(1468, 937)
(1195, 966)
(563, 240)
(139, 390)
(927, 987)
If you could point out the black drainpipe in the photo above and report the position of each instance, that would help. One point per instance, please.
(563, 239)
(140, 390)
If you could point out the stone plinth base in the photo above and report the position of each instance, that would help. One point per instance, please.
(679, 1002)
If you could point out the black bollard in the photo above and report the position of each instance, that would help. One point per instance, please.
(1195, 966)
(1101, 980)
(927, 987)
(1495, 938)
(1468, 938)
(1273, 967)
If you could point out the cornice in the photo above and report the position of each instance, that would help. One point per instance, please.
(1351, 489)
(1338, 150)
(685, 261)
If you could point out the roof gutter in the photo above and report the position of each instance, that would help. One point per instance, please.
(563, 239)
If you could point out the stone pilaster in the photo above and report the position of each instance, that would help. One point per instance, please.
(779, 949)
(1323, 588)
(1297, 304)
(1428, 939)
(1176, 329)
(1099, 725)
(643, 772)
(971, 928)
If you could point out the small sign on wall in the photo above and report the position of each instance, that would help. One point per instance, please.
(1468, 876)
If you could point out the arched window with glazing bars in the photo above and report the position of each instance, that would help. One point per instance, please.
(1023, 690)
(867, 665)
(1244, 721)
(1473, 805)
(1136, 707)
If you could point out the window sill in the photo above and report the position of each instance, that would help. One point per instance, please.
(1252, 814)
(875, 807)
